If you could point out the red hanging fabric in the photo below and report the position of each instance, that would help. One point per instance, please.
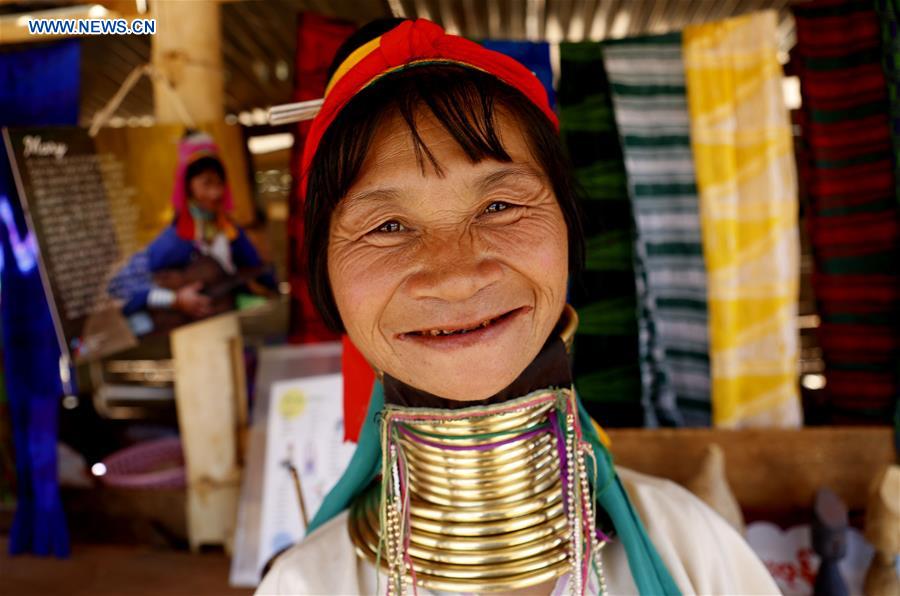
(318, 39)
(358, 381)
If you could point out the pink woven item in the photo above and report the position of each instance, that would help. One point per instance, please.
(153, 464)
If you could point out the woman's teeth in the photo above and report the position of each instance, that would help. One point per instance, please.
(438, 332)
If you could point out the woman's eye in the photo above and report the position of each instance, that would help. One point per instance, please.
(390, 227)
(497, 206)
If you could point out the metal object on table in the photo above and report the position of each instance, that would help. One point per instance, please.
(295, 476)
(133, 388)
(829, 538)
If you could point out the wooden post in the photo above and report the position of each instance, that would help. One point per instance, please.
(187, 50)
(211, 399)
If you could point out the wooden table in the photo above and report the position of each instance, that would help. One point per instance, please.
(769, 470)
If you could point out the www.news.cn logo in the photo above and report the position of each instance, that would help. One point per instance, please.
(91, 27)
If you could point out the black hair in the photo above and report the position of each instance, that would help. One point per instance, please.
(207, 163)
(464, 101)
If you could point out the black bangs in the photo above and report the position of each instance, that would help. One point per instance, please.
(461, 99)
(204, 164)
(464, 101)
(466, 112)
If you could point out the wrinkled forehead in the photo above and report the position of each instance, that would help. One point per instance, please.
(399, 145)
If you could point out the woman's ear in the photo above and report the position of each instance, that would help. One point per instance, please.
(568, 325)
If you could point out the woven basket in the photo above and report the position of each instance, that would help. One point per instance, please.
(153, 464)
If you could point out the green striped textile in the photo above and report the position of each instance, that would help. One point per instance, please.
(646, 76)
(606, 364)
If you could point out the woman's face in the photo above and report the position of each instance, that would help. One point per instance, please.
(207, 189)
(450, 283)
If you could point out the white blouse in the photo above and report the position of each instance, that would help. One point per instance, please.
(702, 552)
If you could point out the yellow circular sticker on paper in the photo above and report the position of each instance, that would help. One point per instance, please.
(292, 403)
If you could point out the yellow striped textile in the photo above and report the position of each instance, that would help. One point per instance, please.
(747, 182)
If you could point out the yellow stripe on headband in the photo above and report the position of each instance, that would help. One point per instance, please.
(352, 60)
(408, 65)
(422, 61)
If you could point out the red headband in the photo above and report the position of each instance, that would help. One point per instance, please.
(412, 42)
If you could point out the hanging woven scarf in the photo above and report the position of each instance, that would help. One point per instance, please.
(40, 86)
(889, 17)
(534, 55)
(606, 365)
(852, 206)
(743, 152)
(646, 76)
(318, 39)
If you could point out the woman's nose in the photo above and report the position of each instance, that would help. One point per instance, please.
(453, 272)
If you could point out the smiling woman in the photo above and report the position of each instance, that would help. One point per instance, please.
(442, 233)
(388, 119)
(438, 270)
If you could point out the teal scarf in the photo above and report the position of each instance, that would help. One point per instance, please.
(649, 572)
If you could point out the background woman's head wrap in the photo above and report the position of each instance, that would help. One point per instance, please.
(192, 148)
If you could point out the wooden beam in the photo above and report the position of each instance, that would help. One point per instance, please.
(136, 50)
(775, 470)
(187, 51)
(112, 61)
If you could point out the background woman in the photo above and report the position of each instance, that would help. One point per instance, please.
(202, 227)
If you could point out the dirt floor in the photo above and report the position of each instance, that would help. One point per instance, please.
(116, 570)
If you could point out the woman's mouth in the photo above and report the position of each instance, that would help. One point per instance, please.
(461, 331)
(466, 334)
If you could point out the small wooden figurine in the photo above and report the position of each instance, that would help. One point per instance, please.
(711, 485)
(883, 532)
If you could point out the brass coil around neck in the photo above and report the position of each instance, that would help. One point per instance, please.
(483, 516)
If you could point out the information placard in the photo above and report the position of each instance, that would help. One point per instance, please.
(305, 449)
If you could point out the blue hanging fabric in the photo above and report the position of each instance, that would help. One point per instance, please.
(41, 86)
(38, 87)
(535, 55)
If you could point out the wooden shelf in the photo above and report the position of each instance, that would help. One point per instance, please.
(777, 470)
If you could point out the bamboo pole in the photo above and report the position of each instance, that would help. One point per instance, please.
(187, 51)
